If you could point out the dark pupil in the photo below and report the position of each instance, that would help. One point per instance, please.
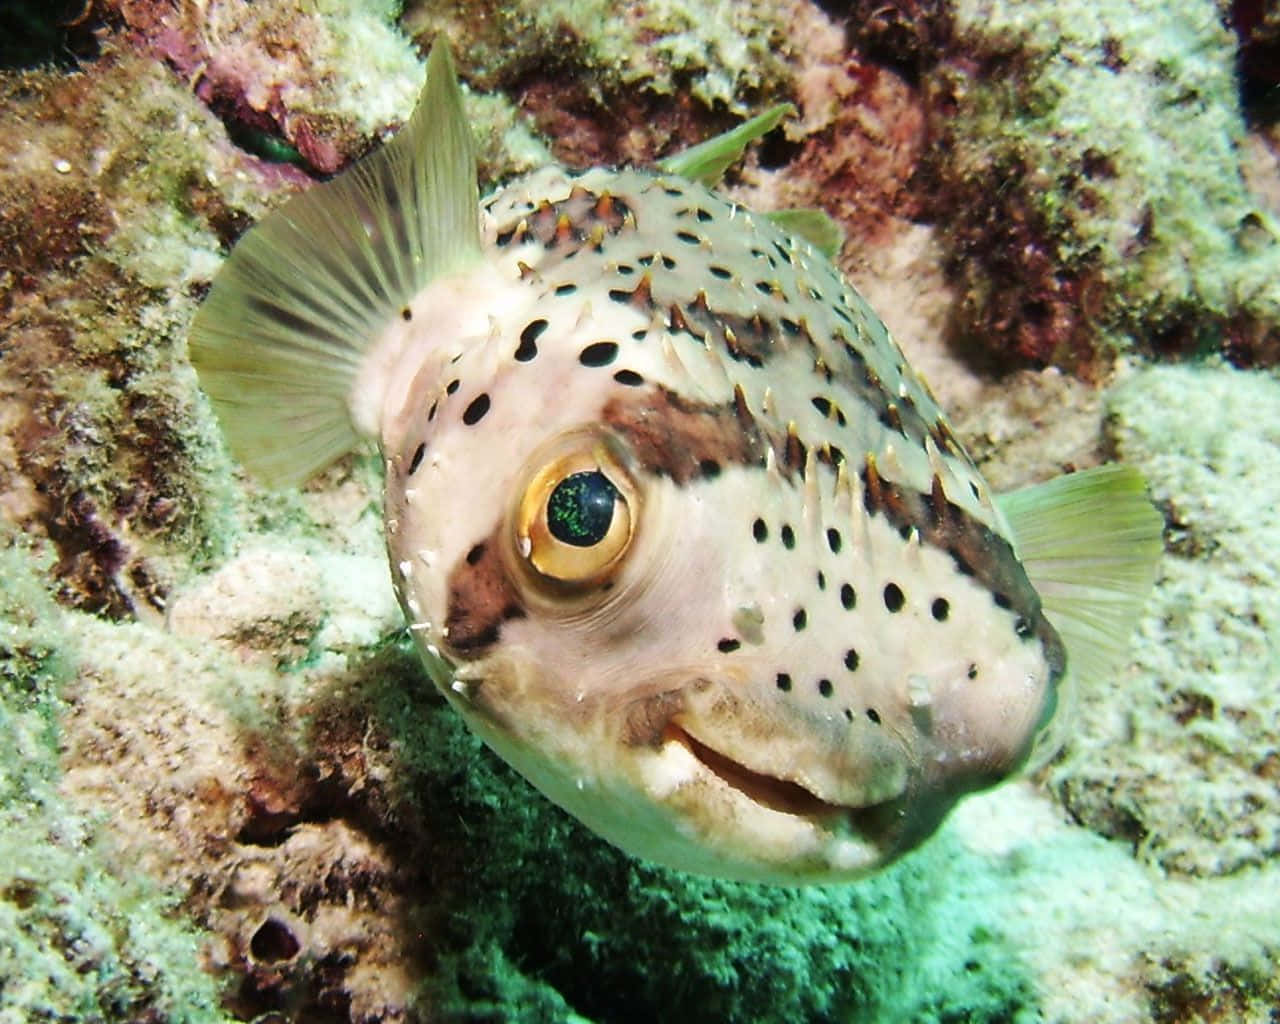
(580, 509)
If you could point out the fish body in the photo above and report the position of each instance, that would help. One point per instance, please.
(675, 526)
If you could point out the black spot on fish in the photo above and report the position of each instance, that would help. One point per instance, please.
(475, 554)
(568, 288)
(452, 387)
(476, 411)
(416, 461)
(688, 237)
(406, 314)
(704, 215)
(600, 353)
(788, 536)
(709, 468)
(873, 715)
(825, 688)
(760, 531)
(628, 377)
(847, 597)
(893, 597)
(721, 272)
(834, 540)
(528, 347)
(940, 609)
(799, 620)
(783, 681)
(728, 645)
(822, 580)
(851, 660)
(973, 672)
(1023, 628)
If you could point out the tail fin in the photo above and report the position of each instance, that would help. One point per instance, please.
(1090, 543)
(281, 337)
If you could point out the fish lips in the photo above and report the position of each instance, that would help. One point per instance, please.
(851, 804)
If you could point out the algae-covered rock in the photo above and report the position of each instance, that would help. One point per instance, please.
(1182, 763)
(84, 936)
(1087, 173)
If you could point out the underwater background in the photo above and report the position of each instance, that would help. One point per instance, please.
(228, 791)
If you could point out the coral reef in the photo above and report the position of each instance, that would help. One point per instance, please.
(230, 793)
(1083, 163)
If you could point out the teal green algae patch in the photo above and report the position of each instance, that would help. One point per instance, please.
(540, 917)
(1181, 758)
(1092, 188)
(80, 940)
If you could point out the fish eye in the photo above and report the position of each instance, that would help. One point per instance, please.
(580, 509)
(575, 520)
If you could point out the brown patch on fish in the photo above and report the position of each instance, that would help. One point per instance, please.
(672, 436)
(794, 453)
(753, 340)
(976, 550)
(647, 720)
(481, 598)
(584, 218)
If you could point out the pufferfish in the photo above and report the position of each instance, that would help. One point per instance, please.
(675, 527)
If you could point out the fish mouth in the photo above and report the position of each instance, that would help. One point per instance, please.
(778, 794)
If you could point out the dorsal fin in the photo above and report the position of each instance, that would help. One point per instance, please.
(292, 313)
(707, 161)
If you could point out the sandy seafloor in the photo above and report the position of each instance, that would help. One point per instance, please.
(228, 791)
